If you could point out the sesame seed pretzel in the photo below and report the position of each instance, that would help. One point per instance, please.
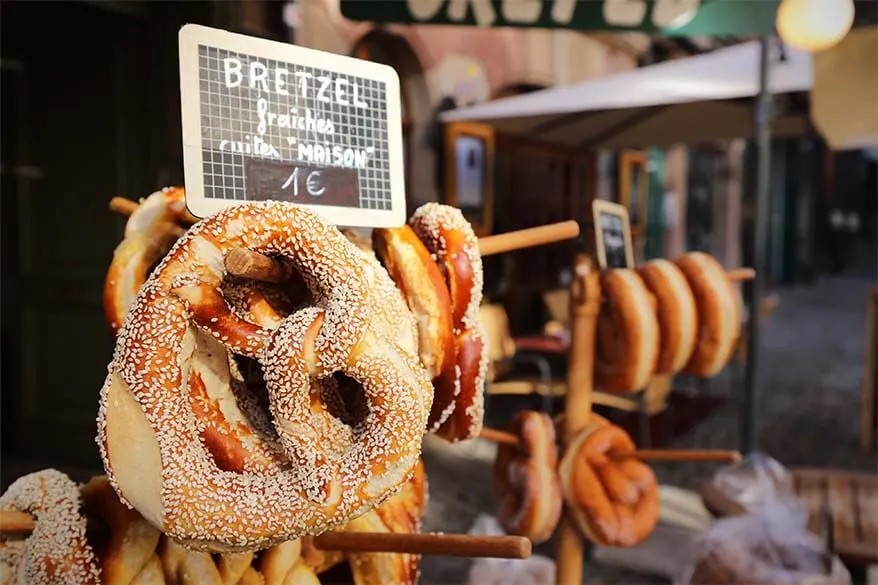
(57, 551)
(149, 234)
(450, 239)
(249, 487)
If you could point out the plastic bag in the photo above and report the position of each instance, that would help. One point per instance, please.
(770, 545)
(536, 570)
(757, 480)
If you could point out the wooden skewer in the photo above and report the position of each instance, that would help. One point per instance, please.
(498, 436)
(126, 207)
(708, 455)
(16, 523)
(739, 274)
(453, 545)
(456, 545)
(123, 206)
(248, 264)
(528, 238)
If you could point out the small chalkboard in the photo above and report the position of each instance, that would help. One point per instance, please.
(264, 120)
(612, 229)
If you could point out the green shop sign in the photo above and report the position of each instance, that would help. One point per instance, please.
(664, 17)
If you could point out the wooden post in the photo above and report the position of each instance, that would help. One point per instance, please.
(585, 294)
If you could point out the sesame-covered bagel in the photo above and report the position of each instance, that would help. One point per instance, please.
(420, 281)
(526, 480)
(676, 312)
(450, 239)
(57, 551)
(149, 233)
(719, 313)
(613, 502)
(255, 488)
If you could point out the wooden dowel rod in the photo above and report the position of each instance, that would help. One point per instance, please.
(457, 545)
(498, 436)
(528, 238)
(126, 207)
(453, 545)
(680, 455)
(123, 206)
(739, 274)
(248, 264)
(15, 522)
(706, 455)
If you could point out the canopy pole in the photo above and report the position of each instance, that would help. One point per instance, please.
(762, 121)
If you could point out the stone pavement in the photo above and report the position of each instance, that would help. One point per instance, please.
(813, 349)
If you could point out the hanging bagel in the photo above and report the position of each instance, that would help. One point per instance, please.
(418, 277)
(719, 313)
(676, 312)
(627, 333)
(449, 237)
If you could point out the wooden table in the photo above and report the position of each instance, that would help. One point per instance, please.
(852, 498)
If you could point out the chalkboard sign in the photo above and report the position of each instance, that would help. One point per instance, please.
(612, 229)
(271, 121)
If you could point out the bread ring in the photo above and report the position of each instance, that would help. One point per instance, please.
(719, 313)
(57, 551)
(526, 480)
(614, 502)
(149, 233)
(627, 333)
(400, 514)
(677, 315)
(417, 276)
(132, 542)
(452, 242)
(254, 489)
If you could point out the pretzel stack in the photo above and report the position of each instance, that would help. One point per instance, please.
(85, 534)
(663, 318)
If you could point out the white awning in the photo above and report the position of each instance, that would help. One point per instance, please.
(690, 100)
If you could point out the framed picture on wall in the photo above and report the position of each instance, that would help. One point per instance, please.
(469, 173)
(634, 188)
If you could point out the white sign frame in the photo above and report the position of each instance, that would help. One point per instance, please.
(191, 36)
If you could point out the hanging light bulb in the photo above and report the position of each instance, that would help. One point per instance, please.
(814, 25)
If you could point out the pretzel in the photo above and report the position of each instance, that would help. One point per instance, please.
(677, 315)
(149, 233)
(57, 551)
(130, 548)
(719, 313)
(526, 480)
(613, 501)
(452, 242)
(188, 457)
(627, 333)
(417, 276)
